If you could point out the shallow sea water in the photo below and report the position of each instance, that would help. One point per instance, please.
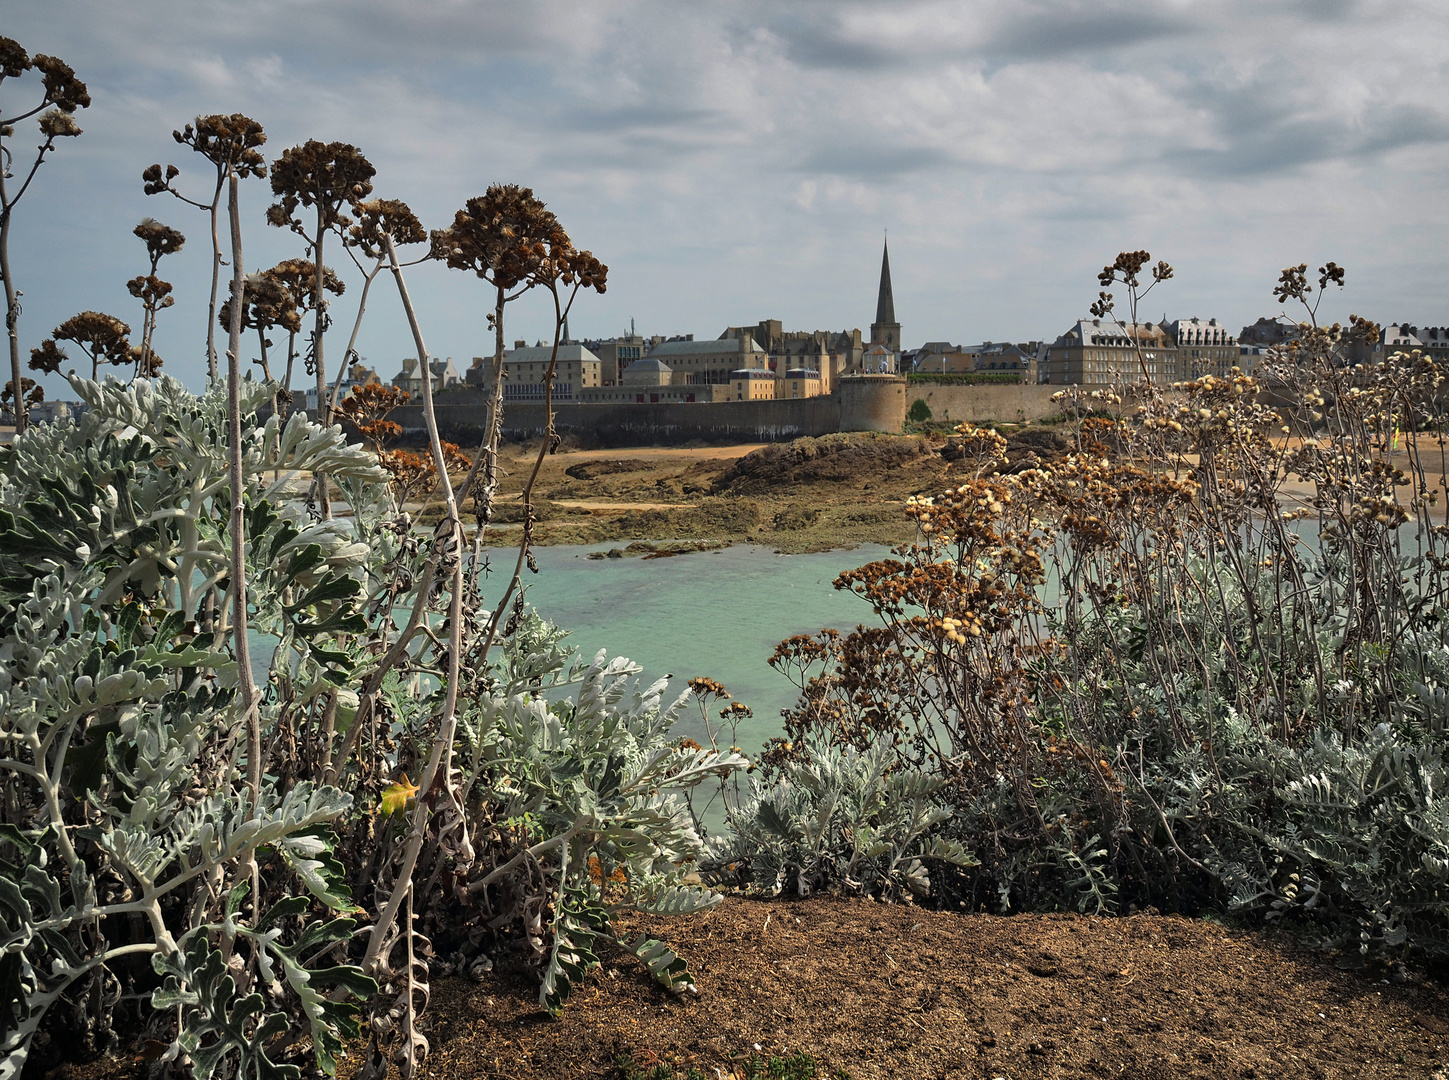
(713, 613)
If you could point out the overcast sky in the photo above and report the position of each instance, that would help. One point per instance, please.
(734, 161)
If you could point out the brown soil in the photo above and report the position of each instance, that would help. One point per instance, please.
(882, 991)
(894, 991)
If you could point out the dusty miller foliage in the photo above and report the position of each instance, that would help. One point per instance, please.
(129, 836)
(839, 819)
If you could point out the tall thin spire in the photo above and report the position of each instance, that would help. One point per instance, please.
(885, 331)
(885, 305)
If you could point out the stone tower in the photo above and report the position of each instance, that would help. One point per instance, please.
(885, 330)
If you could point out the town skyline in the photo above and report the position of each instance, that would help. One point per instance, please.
(732, 166)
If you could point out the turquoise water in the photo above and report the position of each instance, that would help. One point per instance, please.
(714, 613)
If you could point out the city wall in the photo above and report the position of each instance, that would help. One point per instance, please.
(977, 404)
(461, 418)
(867, 404)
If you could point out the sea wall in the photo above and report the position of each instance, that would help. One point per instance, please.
(1004, 403)
(861, 404)
(461, 418)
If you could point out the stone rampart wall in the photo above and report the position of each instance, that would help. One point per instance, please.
(461, 418)
(977, 404)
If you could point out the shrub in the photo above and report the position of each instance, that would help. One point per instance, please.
(838, 819)
(125, 782)
(1154, 674)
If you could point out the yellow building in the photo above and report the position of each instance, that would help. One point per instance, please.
(752, 384)
(798, 383)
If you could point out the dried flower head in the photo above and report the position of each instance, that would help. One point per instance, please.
(377, 217)
(47, 357)
(14, 61)
(225, 140)
(299, 278)
(270, 301)
(33, 393)
(57, 124)
(324, 176)
(153, 182)
(159, 239)
(62, 88)
(151, 291)
(146, 361)
(503, 236)
(103, 338)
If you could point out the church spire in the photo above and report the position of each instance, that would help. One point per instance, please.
(885, 305)
(885, 330)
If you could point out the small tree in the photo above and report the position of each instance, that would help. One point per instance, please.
(63, 95)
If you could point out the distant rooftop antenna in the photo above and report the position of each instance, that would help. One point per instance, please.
(631, 327)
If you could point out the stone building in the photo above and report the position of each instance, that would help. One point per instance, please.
(1203, 348)
(830, 352)
(1268, 331)
(445, 375)
(1103, 351)
(798, 383)
(879, 360)
(616, 354)
(752, 384)
(705, 363)
(524, 370)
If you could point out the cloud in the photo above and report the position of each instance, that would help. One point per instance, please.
(732, 160)
(1091, 32)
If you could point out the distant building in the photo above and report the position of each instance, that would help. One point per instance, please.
(410, 378)
(1004, 358)
(524, 371)
(359, 375)
(650, 371)
(798, 383)
(407, 379)
(1203, 348)
(445, 375)
(645, 393)
(941, 358)
(616, 354)
(752, 384)
(1268, 331)
(48, 412)
(704, 363)
(879, 360)
(1102, 351)
(829, 352)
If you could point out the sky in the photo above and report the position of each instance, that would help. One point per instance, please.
(736, 160)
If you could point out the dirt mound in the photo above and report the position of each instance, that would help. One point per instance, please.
(587, 470)
(880, 991)
(834, 458)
